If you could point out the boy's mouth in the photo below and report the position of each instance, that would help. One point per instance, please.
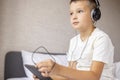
(75, 23)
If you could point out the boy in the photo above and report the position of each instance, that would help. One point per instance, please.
(90, 53)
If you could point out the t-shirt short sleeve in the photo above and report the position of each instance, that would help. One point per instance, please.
(103, 50)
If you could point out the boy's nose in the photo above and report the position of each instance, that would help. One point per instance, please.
(74, 16)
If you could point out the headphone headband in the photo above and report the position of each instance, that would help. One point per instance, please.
(97, 3)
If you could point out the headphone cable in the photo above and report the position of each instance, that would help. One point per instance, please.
(41, 47)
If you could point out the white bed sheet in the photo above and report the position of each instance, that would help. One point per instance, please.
(23, 78)
(117, 70)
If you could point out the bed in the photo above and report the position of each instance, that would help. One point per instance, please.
(14, 69)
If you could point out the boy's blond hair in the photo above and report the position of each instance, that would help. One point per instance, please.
(92, 3)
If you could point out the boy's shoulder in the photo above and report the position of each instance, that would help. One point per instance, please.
(99, 33)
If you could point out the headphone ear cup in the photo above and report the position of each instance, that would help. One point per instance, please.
(92, 13)
(95, 14)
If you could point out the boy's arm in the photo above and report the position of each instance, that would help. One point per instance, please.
(93, 74)
(56, 77)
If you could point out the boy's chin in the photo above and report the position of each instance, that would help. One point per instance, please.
(76, 27)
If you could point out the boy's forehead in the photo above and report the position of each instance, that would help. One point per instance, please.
(79, 4)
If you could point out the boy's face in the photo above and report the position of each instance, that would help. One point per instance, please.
(80, 15)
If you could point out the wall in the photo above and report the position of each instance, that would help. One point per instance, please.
(27, 24)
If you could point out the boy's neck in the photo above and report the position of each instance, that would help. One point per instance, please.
(84, 35)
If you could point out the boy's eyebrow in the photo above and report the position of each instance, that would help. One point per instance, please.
(76, 9)
(79, 9)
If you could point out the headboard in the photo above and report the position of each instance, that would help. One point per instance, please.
(13, 65)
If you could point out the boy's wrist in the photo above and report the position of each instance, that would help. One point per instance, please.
(55, 69)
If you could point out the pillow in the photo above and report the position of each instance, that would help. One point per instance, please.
(117, 70)
(26, 56)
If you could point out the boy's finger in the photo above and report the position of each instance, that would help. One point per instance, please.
(35, 78)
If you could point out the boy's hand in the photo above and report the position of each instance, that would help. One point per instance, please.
(35, 78)
(45, 67)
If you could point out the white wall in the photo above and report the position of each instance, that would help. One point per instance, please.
(27, 24)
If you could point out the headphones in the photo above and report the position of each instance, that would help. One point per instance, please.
(96, 13)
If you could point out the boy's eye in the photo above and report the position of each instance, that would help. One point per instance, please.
(71, 13)
(80, 11)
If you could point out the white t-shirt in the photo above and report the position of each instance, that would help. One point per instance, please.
(97, 48)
